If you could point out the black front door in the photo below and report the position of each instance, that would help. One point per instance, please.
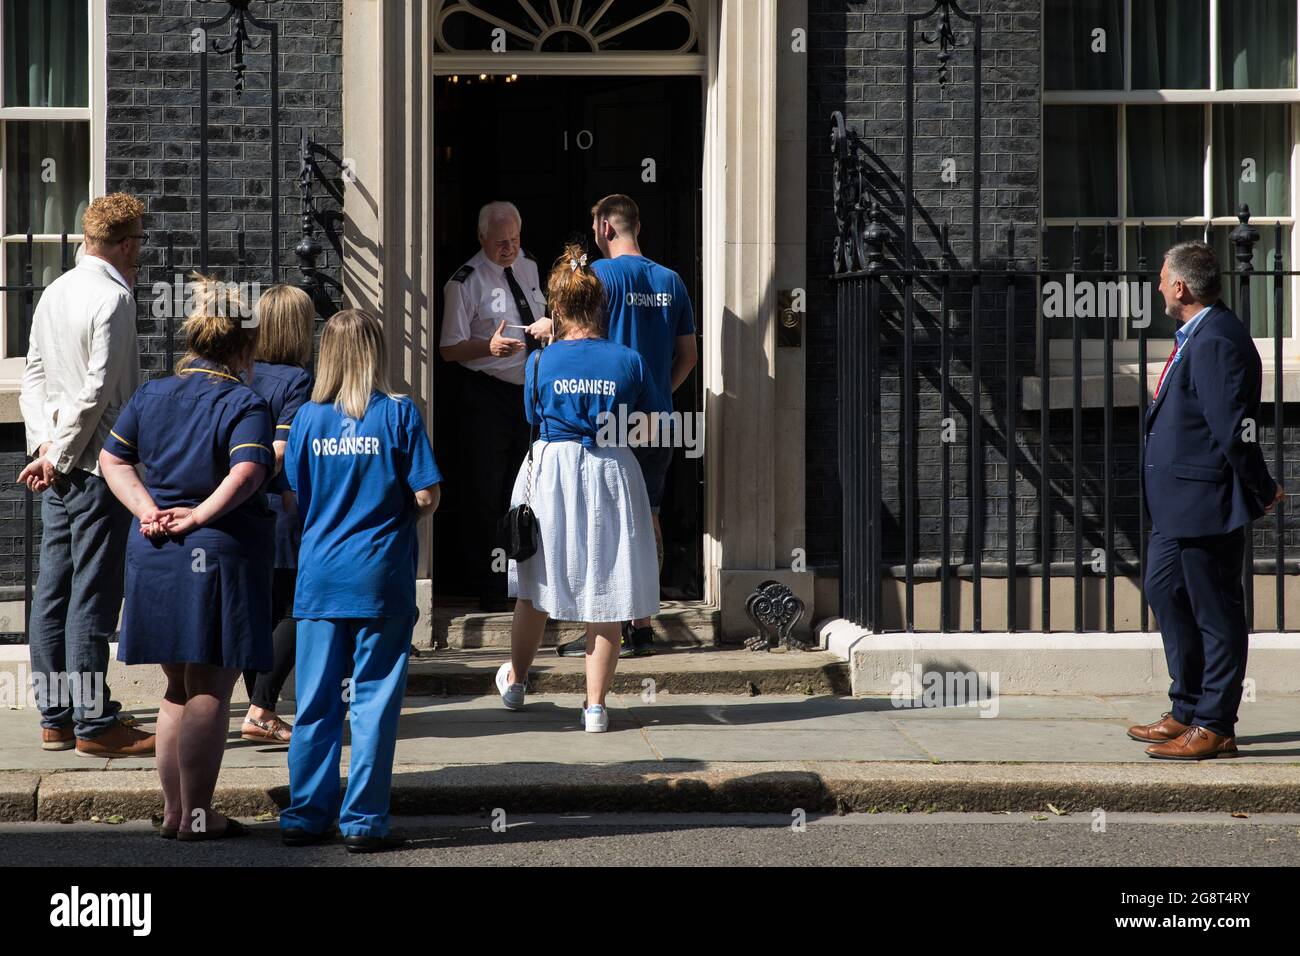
(553, 146)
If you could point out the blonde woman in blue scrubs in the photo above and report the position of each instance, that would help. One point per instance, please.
(361, 465)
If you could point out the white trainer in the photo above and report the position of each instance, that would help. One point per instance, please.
(595, 719)
(512, 695)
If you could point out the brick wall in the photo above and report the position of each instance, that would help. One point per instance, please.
(857, 67)
(153, 151)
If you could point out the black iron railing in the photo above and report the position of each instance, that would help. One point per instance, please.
(879, 321)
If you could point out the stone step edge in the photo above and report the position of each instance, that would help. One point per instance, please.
(692, 786)
(426, 678)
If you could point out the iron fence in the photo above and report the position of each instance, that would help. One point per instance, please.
(878, 319)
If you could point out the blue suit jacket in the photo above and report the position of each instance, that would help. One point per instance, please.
(1201, 477)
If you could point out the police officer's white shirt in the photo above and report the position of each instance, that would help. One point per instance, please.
(477, 298)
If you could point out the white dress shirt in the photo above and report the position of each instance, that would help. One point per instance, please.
(477, 298)
(83, 364)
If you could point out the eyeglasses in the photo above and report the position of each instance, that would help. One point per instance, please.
(142, 236)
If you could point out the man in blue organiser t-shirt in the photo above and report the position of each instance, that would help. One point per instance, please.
(650, 312)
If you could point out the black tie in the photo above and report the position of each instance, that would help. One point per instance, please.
(521, 303)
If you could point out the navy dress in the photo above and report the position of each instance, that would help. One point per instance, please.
(286, 388)
(204, 598)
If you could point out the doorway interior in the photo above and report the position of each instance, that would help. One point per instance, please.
(553, 145)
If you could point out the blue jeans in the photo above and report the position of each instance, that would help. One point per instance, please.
(378, 649)
(76, 603)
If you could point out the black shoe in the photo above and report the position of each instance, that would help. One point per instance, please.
(574, 648)
(637, 641)
(361, 843)
(297, 836)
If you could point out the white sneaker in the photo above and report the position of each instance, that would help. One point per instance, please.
(512, 695)
(595, 719)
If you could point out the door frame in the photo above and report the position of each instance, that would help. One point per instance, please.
(389, 61)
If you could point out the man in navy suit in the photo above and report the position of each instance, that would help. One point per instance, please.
(1205, 482)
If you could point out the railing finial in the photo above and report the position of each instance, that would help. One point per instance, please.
(1244, 237)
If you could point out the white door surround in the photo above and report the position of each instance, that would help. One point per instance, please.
(389, 64)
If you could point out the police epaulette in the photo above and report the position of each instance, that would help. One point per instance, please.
(462, 273)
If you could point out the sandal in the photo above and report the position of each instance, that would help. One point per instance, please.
(274, 730)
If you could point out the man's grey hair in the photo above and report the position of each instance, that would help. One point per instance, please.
(497, 212)
(1196, 264)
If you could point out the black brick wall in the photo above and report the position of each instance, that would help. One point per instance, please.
(152, 137)
(857, 66)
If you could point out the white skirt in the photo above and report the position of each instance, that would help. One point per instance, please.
(597, 559)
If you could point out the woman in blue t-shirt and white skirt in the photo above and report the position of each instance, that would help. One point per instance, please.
(596, 561)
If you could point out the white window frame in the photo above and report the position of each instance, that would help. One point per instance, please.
(11, 366)
(1125, 350)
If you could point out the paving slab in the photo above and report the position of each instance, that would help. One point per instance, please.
(883, 743)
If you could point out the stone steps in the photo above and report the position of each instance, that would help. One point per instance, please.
(678, 624)
(679, 670)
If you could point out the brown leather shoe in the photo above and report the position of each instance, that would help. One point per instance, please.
(1197, 744)
(1166, 728)
(118, 741)
(58, 738)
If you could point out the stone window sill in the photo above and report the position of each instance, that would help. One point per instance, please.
(1126, 385)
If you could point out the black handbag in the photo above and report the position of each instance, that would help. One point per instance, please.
(517, 533)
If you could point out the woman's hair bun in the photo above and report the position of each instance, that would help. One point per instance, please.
(218, 328)
(577, 297)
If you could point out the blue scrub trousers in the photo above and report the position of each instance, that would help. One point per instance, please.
(379, 649)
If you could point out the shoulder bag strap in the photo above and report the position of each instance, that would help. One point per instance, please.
(534, 431)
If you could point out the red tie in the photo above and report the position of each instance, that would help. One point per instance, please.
(1169, 361)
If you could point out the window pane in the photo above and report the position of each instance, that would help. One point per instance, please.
(47, 258)
(1059, 255)
(1084, 44)
(1171, 44)
(1080, 144)
(1166, 160)
(47, 176)
(1257, 44)
(46, 53)
(1261, 287)
(1155, 242)
(1252, 159)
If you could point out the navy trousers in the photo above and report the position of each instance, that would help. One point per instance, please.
(76, 603)
(1194, 588)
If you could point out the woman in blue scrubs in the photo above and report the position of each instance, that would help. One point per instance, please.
(363, 470)
(285, 322)
(198, 567)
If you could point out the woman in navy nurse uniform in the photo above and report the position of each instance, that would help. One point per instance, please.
(597, 560)
(285, 322)
(198, 563)
(363, 470)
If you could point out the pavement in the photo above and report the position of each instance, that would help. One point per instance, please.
(721, 752)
